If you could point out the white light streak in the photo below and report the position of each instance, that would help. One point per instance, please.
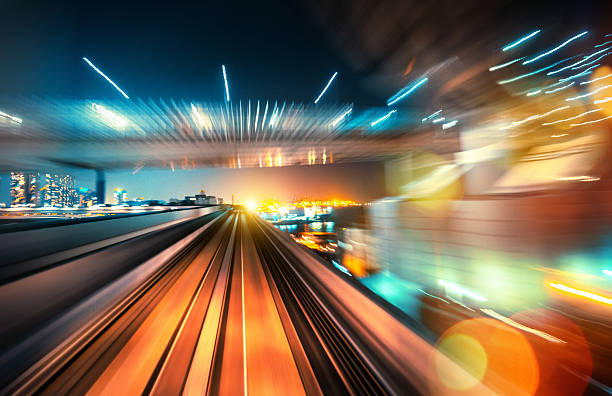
(556, 48)
(256, 118)
(111, 118)
(588, 94)
(383, 118)
(532, 93)
(341, 117)
(10, 117)
(560, 88)
(325, 89)
(534, 117)
(609, 98)
(227, 96)
(591, 122)
(449, 124)
(512, 45)
(458, 289)
(596, 79)
(531, 73)
(571, 118)
(405, 92)
(438, 120)
(519, 326)
(431, 115)
(493, 68)
(106, 77)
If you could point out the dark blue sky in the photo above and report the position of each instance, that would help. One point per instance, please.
(272, 50)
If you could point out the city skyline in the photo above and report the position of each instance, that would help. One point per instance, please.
(360, 182)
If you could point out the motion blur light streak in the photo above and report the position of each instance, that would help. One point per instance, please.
(591, 122)
(493, 68)
(449, 124)
(535, 117)
(578, 292)
(432, 296)
(519, 326)
(532, 93)
(596, 79)
(602, 44)
(429, 117)
(592, 67)
(584, 73)
(519, 41)
(405, 92)
(588, 94)
(227, 95)
(560, 88)
(438, 120)
(341, 117)
(556, 48)
(381, 119)
(10, 117)
(571, 118)
(607, 272)
(458, 289)
(106, 77)
(327, 86)
(578, 178)
(110, 117)
(502, 82)
(603, 100)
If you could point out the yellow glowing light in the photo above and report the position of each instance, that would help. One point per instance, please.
(468, 354)
(578, 292)
(252, 205)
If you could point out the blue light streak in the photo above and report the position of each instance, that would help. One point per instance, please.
(106, 77)
(532, 73)
(510, 46)
(556, 48)
(405, 92)
(591, 62)
(584, 73)
(227, 97)
(381, 119)
(602, 44)
(429, 117)
(493, 68)
(325, 89)
(560, 88)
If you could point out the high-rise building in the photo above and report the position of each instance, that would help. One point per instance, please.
(86, 197)
(24, 188)
(42, 189)
(120, 196)
(57, 190)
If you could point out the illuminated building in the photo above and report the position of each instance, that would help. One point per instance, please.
(37, 189)
(57, 190)
(23, 188)
(120, 196)
(86, 197)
